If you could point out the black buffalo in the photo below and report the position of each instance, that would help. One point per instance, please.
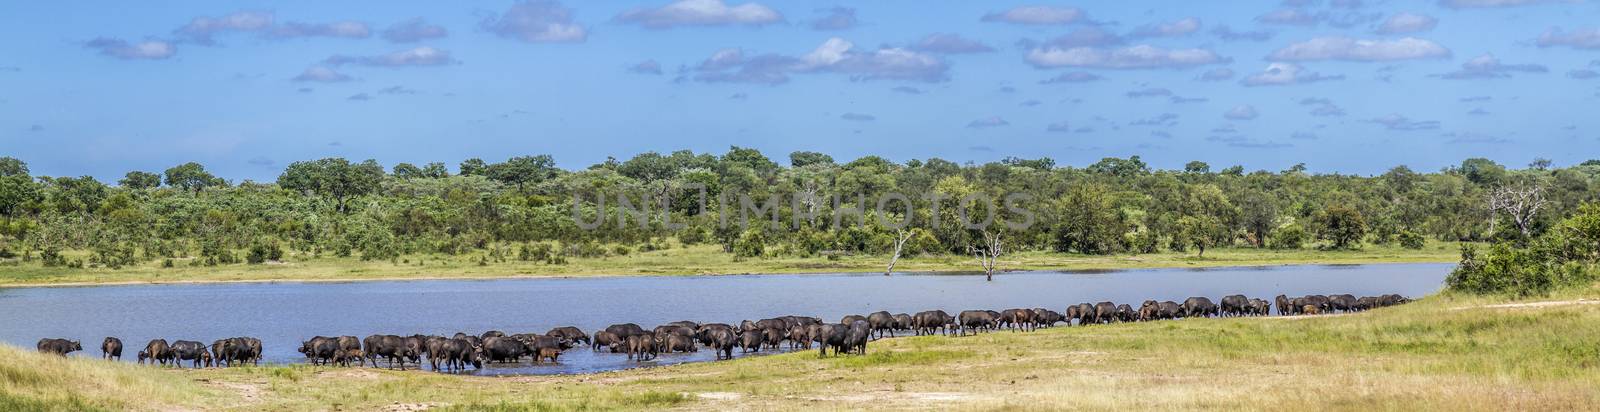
(58, 347)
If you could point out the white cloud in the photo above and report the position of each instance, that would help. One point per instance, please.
(1058, 127)
(649, 66)
(1583, 74)
(949, 43)
(1462, 4)
(122, 49)
(835, 55)
(1217, 74)
(418, 56)
(1227, 34)
(1291, 17)
(322, 75)
(1404, 22)
(1583, 38)
(1135, 57)
(1182, 27)
(1322, 107)
(201, 30)
(701, 13)
(1149, 92)
(838, 18)
(343, 29)
(1394, 121)
(537, 21)
(1280, 74)
(1072, 77)
(1349, 49)
(1241, 112)
(858, 117)
(988, 122)
(1489, 67)
(1039, 15)
(414, 30)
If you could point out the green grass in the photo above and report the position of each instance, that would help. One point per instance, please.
(693, 260)
(1440, 353)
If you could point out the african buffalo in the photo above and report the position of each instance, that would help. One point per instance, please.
(156, 351)
(1284, 308)
(830, 336)
(721, 340)
(902, 321)
(643, 347)
(503, 349)
(58, 347)
(881, 321)
(188, 350)
(1016, 318)
(389, 347)
(680, 343)
(751, 340)
(606, 339)
(855, 339)
(624, 330)
(927, 322)
(111, 348)
(1199, 307)
(1105, 312)
(322, 349)
(975, 321)
(1234, 305)
(572, 334)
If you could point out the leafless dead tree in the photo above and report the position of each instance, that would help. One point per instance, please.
(900, 238)
(988, 254)
(1521, 203)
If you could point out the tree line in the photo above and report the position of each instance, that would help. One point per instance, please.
(524, 208)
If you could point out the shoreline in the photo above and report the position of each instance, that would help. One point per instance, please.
(801, 272)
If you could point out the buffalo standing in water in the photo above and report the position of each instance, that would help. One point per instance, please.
(975, 321)
(643, 347)
(389, 347)
(1284, 305)
(571, 334)
(624, 330)
(722, 341)
(929, 321)
(751, 340)
(111, 348)
(456, 354)
(880, 322)
(58, 347)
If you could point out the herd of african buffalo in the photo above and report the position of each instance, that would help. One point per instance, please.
(850, 335)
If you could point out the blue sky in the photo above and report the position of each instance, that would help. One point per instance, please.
(1342, 85)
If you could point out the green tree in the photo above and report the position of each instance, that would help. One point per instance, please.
(1200, 232)
(473, 167)
(333, 177)
(11, 166)
(191, 177)
(524, 170)
(803, 159)
(1342, 225)
(1197, 167)
(140, 180)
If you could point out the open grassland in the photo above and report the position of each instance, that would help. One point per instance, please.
(1441, 353)
(691, 260)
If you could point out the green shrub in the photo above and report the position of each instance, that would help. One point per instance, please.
(1411, 240)
(1287, 237)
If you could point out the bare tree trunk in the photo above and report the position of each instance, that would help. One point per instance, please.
(900, 238)
(988, 254)
(1522, 204)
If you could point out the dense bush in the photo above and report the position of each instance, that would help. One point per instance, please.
(1568, 256)
(1411, 240)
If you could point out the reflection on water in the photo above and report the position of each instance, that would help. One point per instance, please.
(283, 314)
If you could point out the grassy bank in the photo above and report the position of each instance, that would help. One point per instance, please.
(1441, 353)
(692, 260)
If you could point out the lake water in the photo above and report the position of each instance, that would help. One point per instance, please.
(283, 314)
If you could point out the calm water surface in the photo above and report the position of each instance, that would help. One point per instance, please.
(283, 314)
